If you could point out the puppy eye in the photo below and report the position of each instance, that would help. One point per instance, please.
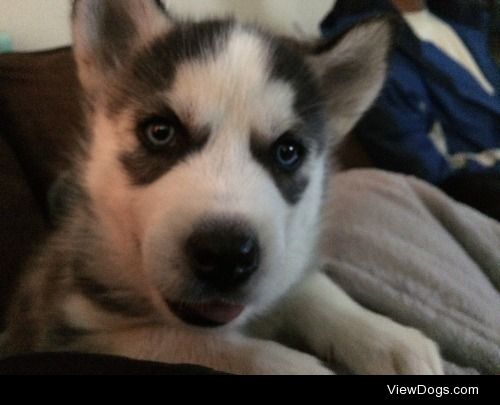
(159, 134)
(288, 153)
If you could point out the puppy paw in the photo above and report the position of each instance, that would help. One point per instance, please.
(389, 348)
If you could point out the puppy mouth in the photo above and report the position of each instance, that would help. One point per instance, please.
(210, 314)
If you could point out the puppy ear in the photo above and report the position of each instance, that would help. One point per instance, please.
(352, 70)
(107, 32)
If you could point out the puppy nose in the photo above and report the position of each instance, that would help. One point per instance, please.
(223, 254)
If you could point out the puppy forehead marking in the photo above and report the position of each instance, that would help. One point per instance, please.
(152, 69)
(234, 87)
(219, 70)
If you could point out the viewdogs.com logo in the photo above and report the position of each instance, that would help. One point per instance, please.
(437, 392)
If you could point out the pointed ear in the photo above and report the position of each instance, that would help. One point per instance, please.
(352, 70)
(107, 32)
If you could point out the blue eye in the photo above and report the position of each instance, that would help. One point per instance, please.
(159, 134)
(288, 154)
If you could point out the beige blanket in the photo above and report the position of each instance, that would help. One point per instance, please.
(404, 249)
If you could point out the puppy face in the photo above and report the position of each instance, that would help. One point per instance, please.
(209, 147)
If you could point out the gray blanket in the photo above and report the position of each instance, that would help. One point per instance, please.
(404, 249)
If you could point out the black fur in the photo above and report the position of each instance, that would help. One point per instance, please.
(153, 69)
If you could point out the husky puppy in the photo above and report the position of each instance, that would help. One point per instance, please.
(196, 202)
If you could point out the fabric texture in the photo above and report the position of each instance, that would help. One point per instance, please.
(404, 249)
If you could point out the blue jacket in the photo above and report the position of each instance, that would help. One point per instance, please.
(425, 88)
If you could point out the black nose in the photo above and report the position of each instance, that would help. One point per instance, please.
(223, 254)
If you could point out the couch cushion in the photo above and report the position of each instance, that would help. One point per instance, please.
(21, 222)
(40, 113)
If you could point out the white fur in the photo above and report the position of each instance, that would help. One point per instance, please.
(233, 91)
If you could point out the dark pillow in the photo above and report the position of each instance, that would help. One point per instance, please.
(40, 113)
(21, 223)
(351, 154)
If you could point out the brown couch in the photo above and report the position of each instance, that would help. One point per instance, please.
(39, 111)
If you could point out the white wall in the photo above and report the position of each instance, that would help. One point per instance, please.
(35, 24)
(41, 24)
